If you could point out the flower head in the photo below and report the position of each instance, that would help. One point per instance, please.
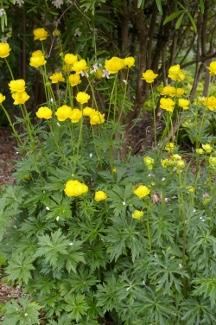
(129, 61)
(40, 34)
(76, 115)
(149, 76)
(2, 98)
(20, 97)
(168, 91)
(74, 79)
(114, 64)
(100, 196)
(212, 161)
(96, 118)
(4, 50)
(142, 191)
(44, 112)
(212, 68)
(37, 59)
(207, 147)
(170, 146)
(56, 77)
(167, 104)
(79, 66)
(70, 59)
(82, 97)
(63, 112)
(137, 214)
(210, 102)
(148, 161)
(75, 188)
(175, 73)
(17, 86)
(184, 103)
(88, 110)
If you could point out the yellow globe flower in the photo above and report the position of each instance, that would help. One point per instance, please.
(79, 66)
(76, 115)
(17, 86)
(44, 112)
(148, 161)
(87, 111)
(4, 50)
(20, 98)
(212, 161)
(96, 118)
(114, 64)
(100, 196)
(149, 76)
(167, 104)
(74, 79)
(75, 188)
(2, 98)
(175, 73)
(40, 34)
(37, 59)
(137, 214)
(56, 77)
(207, 147)
(212, 68)
(179, 92)
(184, 103)
(70, 58)
(210, 102)
(142, 191)
(200, 151)
(82, 97)
(168, 91)
(129, 62)
(63, 112)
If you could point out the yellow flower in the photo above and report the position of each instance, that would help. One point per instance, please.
(212, 68)
(149, 76)
(4, 50)
(137, 214)
(44, 112)
(74, 79)
(56, 32)
(114, 64)
(70, 58)
(148, 161)
(167, 104)
(75, 115)
(129, 62)
(96, 118)
(37, 59)
(168, 91)
(100, 196)
(142, 191)
(210, 102)
(207, 147)
(176, 157)
(20, 98)
(75, 188)
(212, 161)
(170, 146)
(63, 112)
(56, 77)
(79, 66)
(165, 163)
(200, 151)
(184, 103)
(2, 98)
(82, 97)
(40, 34)
(114, 170)
(180, 163)
(190, 188)
(88, 110)
(175, 73)
(179, 92)
(17, 86)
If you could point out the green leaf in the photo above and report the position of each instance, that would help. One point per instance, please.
(202, 6)
(140, 3)
(19, 268)
(159, 6)
(76, 306)
(179, 21)
(172, 16)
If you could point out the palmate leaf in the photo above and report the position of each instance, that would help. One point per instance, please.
(21, 312)
(52, 247)
(19, 268)
(76, 306)
(205, 287)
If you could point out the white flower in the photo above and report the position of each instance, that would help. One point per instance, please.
(77, 32)
(57, 218)
(47, 208)
(57, 3)
(105, 74)
(19, 2)
(2, 12)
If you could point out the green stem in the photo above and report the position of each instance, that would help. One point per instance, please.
(19, 141)
(154, 115)
(148, 230)
(9, 68)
